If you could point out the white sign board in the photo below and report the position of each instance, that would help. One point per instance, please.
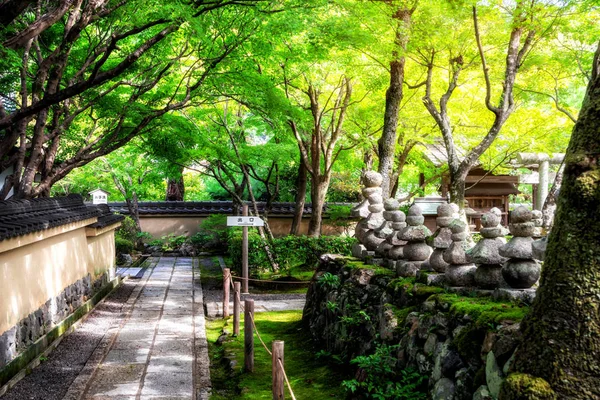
(245, 221)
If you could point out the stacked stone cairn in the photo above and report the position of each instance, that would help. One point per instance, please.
(521, 271)
(486, 253)
(365, 229)
(396, 252)
(441, 239)
(459, 272)
(416, 251)
(386, 231)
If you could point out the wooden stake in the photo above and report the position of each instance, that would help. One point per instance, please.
(245, 252)
(248, 335)
(236, 308)
(278, 384)
(226, 278)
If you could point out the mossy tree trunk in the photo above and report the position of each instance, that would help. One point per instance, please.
(560, 353)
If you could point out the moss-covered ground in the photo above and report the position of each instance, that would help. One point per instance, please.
(310, 377)
(482, 310)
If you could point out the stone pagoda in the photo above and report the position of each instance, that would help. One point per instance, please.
(386, 230)
(521, 271)
(416, 251)
(365, 229)
(459, 272)
(486, 253)
(396, 252)
(441, 239)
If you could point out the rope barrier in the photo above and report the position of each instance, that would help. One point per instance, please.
(258, 334)
(265, 280)
(286, 379)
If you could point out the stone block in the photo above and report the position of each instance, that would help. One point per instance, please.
(8, 346)
(524, 295)
(443, 390)
(357, 250)
(493, 375)
(408, 268)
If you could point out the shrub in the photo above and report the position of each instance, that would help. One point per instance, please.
(288, 250)
(171, 242)
(127, 230)
(123, 246)
(340, 215)
(212, 234)
(381, 380)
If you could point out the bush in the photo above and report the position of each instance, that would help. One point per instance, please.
(171, 242)
(212, 235)
(127, 230)
(123, 246)
(288, 250)
(381, 379)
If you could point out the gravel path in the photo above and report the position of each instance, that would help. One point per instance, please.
(52, 378)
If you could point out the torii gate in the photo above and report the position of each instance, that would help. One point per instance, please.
(541, 162)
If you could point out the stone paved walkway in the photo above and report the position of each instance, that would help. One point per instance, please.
(159, 349)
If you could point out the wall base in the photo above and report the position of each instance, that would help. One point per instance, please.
(21, 364)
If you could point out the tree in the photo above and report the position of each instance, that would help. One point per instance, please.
(560, 352)
(319, 144)
(393, 97)
(84, 78)
(521, 38)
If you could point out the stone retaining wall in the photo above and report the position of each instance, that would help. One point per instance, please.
(463, 344)
(38, 323)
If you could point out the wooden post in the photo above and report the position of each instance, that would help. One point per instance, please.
(278, 388)
(236, 308)
(226, 278)
(248, 335)
(245, 252)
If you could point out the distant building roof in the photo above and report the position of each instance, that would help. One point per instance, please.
(20, 217)
(436, 153)
(209, 207)
(491, 189)
(98, 190)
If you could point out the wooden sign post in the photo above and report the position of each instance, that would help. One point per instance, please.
(245, 221)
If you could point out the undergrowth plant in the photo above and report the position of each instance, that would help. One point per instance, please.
(380, 380)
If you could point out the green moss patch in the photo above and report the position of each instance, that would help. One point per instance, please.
(482, 310)
(355, 263)
(526, 387)
(310, 377)
(401, 313)
(426, 291)
(403, 283)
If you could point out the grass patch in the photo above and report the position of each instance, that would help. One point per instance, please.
(310, 377)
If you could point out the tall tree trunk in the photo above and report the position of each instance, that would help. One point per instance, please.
(393, 97)
(301, 182)
(549, 207)
(560, 354)
(387, 142)
(134, 210)
(457, 188)
(176, 188)
(317, 198)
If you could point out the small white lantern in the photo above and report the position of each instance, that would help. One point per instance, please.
(99, 196)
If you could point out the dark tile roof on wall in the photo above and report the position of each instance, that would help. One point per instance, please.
(20, 217)
(105, 216)
(208, 207)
